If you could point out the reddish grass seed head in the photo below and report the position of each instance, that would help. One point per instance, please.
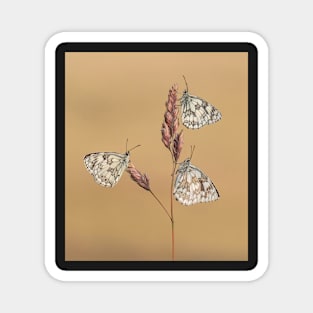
(141, 179)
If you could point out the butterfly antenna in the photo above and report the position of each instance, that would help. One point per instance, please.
(134, 148)
(192, 151)
(185, 82)
(126, 144)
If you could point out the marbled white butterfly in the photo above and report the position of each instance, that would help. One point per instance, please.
(197, 112)
(192, 185)
(107, 167)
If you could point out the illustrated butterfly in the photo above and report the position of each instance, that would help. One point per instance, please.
(192, 185)
(197, 112)
(107, 167)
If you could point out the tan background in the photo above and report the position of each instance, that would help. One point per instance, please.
(114, 96)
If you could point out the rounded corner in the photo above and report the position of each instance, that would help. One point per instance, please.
(257, 41)
(56, 41)
(252, 264)
(54, 271)
(258, 271)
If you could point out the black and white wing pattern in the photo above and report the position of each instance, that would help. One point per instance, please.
(197, 112)
(193, 186)
(106, 167)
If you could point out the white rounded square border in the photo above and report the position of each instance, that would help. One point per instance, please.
(188, 275)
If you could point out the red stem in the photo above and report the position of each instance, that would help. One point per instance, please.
(156, 198)
(172, 212)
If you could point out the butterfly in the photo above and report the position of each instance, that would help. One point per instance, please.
(192, 185)
(197, 112)
(107, 168)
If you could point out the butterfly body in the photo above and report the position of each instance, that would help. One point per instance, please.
(193, 186)
(197, 112)
(106, 167)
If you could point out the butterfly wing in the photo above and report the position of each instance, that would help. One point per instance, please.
(196, 112)
(106, 167)
(193, 186)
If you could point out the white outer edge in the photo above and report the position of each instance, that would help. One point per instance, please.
(262, 48)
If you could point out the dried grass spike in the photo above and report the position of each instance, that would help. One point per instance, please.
(171, 113)
(172, 98)
(166, 135)
(178, 145)
(141, 179)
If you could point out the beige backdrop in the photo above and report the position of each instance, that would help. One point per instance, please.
(114, 96)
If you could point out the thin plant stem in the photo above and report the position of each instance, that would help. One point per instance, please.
(157, 199)
(172, 211)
